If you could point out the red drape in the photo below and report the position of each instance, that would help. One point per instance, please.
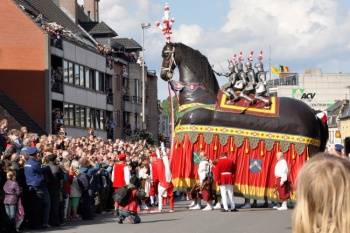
(247, 183)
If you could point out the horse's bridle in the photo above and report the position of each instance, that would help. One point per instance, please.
(172, 63)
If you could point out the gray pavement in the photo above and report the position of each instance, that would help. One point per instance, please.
(262, 220)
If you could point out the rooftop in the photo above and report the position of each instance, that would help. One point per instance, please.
(52, 13)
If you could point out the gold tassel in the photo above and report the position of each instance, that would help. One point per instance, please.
(201, 141)
(176, 142)
(307, 153)
(293, 151)
(262, 147)
(232, 144)
(246, 146)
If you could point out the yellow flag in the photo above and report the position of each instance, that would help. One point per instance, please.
(275, 70)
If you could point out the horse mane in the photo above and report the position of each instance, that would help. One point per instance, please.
(199, 65)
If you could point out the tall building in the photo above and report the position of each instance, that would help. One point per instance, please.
(321, 91)
(66, 68)
(317, 89)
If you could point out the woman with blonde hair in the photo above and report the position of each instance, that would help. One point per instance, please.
(323, 196)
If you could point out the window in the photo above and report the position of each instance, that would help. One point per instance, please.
(87, 78)
(76, 74)
(67, 71)
(101, 82)
(97, 119)
(108, 82)
(92, 80)
(80, 116)
(82, 76)
(88, 118)
(137, 88)
(102, 119)
(92, 118)
(69, 114)
(97, 81)
(70, 72)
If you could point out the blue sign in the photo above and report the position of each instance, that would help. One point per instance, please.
(255, 165)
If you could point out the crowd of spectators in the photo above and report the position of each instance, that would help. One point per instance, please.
(57, 32)
(57, 197)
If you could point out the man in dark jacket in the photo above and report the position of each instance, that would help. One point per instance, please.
(87, 195)
(54, 184)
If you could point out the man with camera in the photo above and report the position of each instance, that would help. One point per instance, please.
(130, 209)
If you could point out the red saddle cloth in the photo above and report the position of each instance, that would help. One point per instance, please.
(243, 106)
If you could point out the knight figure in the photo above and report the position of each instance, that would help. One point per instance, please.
(260, 88)
(229, 88)
(248, 86)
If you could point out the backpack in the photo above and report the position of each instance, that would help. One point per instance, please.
(83, 181)
(122, 195)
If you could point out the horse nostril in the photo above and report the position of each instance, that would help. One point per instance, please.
(169, 75)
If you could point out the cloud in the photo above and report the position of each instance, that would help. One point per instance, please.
(300, 34)
(295, 29)
(188, 34)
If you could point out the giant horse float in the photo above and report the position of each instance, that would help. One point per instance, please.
(251, 134)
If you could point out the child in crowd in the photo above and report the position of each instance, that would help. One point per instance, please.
(12, 193)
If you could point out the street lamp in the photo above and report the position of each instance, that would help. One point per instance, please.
(144, 26)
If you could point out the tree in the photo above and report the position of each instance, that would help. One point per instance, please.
(166, 108)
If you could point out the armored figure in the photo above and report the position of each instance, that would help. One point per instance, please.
(229, 87)
(250, 71)
(248, 86)
(260, 88)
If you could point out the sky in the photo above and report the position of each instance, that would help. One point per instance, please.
(300, 34)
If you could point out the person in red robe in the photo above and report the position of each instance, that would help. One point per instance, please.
(120, 175)
(165, 187)
(155, 180)
(224, 175)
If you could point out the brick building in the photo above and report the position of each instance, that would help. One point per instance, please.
(41, 72)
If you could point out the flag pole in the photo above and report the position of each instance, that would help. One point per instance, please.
(270, 62)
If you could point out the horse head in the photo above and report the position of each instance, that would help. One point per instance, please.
(197, 82)
(168, 63)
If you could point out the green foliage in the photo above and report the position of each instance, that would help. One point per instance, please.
(166, 108)
(145, 135)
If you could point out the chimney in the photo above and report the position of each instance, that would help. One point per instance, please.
(93, 7)
(70, 8)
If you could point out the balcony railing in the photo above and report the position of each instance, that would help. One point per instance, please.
(137, 99)
(126, 98)
(109, 99)
(57, 87)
